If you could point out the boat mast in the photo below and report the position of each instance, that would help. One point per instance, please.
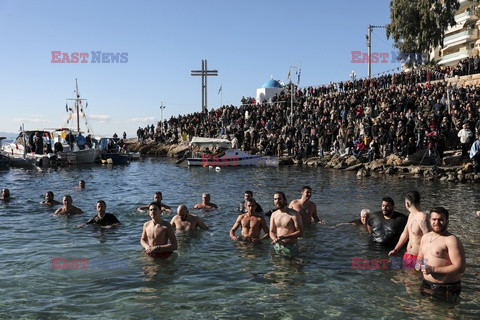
(77, 97)
(77, 105)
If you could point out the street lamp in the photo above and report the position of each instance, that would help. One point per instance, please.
(161, 115)
(353, 76)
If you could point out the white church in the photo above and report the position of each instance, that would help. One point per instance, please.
(268, 90)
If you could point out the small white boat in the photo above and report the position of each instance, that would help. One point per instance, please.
(231, 157)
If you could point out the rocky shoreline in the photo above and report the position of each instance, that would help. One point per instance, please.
(454, 169)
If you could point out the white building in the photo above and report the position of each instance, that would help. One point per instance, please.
(268, 90)
(463, 39)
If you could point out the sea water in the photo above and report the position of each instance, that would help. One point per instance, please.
(211, 276)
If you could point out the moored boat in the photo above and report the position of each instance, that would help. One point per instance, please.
(225, 156)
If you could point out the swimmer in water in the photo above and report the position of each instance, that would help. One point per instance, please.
(81, 184)
(157, 233)
(251, 224)
(187, 221)
(285, 226)
(305, 207)
(157, 197)
(416, 227)
(205, 204)
(6, 195)
(364, 215)
(49, 199)
(102, 218)
(68, 208)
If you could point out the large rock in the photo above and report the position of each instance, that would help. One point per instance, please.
(415, 170)
(394, 160)
(351, 161)
(355, 167)
(376, 165)
(177, 151)
(454, 160)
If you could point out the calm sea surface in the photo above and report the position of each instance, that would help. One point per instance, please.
(212, 277)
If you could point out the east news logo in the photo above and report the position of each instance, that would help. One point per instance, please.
(95, 57)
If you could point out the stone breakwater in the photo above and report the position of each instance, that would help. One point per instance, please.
(453, 168)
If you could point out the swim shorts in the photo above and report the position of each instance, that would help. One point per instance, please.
(409, 261)
(162, 255)
(441, 290)
(287, 250)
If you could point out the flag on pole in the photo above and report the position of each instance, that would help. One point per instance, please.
(298, 79)
(66, 107)
(220, 89)
(288, 76)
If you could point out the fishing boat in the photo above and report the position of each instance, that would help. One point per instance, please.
(217, 153)
(111, 152)
(69, 143)
(19, 151)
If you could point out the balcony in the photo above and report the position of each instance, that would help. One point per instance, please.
(465, 16)
(460, 38)
(453, 58)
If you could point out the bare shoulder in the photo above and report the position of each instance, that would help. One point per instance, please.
(452, 240)
(422, 216)
(274, 214)
(146, 224)
(293, 202)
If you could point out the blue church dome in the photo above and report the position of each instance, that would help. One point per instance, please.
(272, 84)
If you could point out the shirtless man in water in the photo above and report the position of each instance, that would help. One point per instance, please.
(157, 197)
(49, 199)
(205, 204)
(68, 208)
(414, 230)
(157, 233)
(306, 208)
(186, 221)
(251, 224)
(441, 258)
(285, 226)
(5, 197)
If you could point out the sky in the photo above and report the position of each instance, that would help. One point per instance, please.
(248, 42)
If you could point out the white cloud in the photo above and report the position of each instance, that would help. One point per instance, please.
(103, 118)
(142, 120)
(31, 119)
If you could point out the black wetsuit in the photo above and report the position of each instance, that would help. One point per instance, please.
(107, 220)
(386, 231)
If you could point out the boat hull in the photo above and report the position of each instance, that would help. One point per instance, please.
(114, 158)
(233, 158)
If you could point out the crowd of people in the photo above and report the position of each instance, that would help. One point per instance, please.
(373, 118)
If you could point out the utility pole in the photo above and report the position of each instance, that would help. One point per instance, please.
(369, 46)
(204, 73)
(161, 115)
(292, 93)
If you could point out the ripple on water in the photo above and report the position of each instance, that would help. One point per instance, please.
(211, 276)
